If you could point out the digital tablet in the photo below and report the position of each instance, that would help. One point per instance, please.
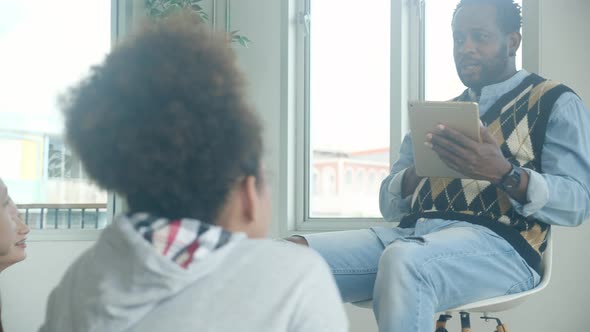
(424, 117)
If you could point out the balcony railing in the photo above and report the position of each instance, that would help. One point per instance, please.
(64, 216)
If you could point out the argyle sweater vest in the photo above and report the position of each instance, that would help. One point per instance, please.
(518, 122)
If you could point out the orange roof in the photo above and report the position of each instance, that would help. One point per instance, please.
(372, 151)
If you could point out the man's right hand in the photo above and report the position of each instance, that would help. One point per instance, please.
(410, 182)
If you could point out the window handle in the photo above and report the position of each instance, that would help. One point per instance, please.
(304, 18)
(420, 9)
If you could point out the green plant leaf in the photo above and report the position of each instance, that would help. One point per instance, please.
(242, 40)
(157, 9)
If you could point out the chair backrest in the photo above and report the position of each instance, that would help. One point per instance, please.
(547, 262)
(506, 302)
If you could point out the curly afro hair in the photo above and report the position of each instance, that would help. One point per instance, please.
(508, 13)
(164, 121)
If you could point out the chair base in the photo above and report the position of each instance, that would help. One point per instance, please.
(466, 323)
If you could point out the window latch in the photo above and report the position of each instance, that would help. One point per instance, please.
(420, 9)
(304, 18)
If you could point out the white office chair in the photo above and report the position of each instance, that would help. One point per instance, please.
(500, 303)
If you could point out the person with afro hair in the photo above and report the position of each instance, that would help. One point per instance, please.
(164, 122)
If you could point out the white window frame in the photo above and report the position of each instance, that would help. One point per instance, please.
(407, 83)
(295, 206)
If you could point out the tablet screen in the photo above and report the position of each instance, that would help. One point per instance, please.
(424, 117)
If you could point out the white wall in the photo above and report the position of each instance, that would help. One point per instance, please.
(26, 286)
(564, 43)
(564, 57)
(261, 63)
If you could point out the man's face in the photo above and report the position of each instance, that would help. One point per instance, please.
(481, 49)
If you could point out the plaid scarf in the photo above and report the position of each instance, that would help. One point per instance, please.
(184, 241)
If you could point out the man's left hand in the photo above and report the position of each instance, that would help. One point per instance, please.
(475, 160)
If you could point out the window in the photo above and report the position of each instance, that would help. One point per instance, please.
(61, 163)
(348, 85)
(329, 180)
(315, 183)
(46, 47)
(348, 177)
(371, 182)
(441, 80)
(360, 179)
(357, 69)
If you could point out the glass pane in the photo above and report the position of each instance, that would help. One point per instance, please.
(442, 81)
(349, 106)
(46, 47)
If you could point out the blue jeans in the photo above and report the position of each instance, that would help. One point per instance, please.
(411, 274)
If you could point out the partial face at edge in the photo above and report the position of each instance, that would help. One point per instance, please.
(7, 224)
(17, 252)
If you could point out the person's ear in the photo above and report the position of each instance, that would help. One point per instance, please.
(250, 199)
(514, 40)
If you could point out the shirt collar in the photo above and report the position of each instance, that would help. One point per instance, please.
(501, 88)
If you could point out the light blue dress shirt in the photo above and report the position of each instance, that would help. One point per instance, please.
(558, 196)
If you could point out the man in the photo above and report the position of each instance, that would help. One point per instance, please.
(461, 241)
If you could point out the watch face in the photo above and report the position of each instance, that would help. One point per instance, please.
(512, 179)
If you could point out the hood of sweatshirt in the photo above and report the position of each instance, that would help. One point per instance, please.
(138, 262)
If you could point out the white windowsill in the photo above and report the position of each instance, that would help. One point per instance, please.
(340, 224)
(46, 235)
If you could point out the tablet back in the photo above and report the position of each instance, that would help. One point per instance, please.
(424, 117)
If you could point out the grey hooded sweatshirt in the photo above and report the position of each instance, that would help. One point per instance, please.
(123, 284)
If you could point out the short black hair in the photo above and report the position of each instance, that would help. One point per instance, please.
(164, 121)
(508, 13)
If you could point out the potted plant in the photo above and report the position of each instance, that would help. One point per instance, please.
(157, 9)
